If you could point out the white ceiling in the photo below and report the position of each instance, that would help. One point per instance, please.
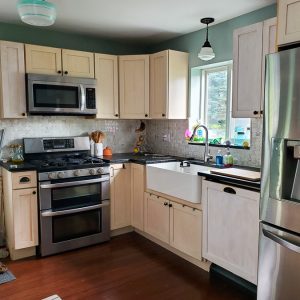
(138, 20)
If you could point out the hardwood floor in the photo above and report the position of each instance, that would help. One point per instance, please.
(127, 267)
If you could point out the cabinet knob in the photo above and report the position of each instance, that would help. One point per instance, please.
(23, 114)
(59, 72)
(34, 192)
(170, 205)
(66, 72)
(255, 112)
(146, 115)
(116, 115)
(163, 115)
(166, 203)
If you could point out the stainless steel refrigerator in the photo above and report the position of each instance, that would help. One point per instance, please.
(279, 246)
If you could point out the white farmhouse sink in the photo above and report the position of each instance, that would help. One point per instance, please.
(180, 182)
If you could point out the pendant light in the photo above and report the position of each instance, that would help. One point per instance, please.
(206, 52)
(37, 12)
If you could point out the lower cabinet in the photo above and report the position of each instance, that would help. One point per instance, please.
(176, 224)
(21, 212)
(137, 195)
(231, 228)
(120, 193)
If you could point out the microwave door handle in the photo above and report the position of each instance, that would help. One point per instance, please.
(82, 97)
(50, 213)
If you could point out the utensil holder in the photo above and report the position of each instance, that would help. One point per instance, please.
(98, 149)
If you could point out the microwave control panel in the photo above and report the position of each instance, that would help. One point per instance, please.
(90, 98)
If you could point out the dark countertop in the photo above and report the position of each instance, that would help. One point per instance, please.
(120, 158)
(12, 167)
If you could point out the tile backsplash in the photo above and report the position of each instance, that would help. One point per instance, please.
(120, 134)
(167, 136)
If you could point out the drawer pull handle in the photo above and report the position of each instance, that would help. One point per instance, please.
(229, 190)
(24, 180)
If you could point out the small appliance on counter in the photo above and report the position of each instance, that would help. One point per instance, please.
(73, 193)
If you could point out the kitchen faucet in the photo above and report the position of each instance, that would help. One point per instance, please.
(207, 155)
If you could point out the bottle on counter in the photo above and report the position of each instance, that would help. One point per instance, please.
(228, 159)
(219, 158)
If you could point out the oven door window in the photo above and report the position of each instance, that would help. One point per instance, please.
(76, 196)
(56, 96)
(77, 225)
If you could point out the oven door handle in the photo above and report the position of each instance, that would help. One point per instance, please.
(73, 183)
(50, 213)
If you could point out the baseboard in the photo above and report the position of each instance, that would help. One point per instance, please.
(120, 231)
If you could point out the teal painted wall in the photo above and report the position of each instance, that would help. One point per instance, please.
(220, 37)
(47, 37)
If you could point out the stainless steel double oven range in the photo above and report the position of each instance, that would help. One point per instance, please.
(74, 205)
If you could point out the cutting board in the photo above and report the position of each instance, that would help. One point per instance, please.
(238, 173)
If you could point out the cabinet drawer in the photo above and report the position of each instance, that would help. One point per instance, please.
(23, 180)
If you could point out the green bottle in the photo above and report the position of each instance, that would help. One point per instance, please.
(228, 159)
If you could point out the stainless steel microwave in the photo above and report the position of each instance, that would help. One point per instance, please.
(59, 95)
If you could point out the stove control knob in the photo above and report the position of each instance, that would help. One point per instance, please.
(52, 175)
(100, 171)
(60, 175)
(92, 171)
(76, 172)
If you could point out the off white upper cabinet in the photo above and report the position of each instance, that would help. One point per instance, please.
(134, 86)
(168, 85)
(288, 12)
(250, 44)
(43, 60)
(12, 81)
(78, 63)
(120, 192)
(106, 73)
(231, 228)
(137, 195)
(55, 61)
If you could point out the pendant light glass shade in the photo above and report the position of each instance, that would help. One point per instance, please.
(37, 12)
(206, 52)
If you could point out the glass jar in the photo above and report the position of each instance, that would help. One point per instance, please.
(17, 154)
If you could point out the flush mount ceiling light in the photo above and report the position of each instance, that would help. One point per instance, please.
(37, 12)
(206, 52)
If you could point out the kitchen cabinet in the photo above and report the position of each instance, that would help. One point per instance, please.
(120, 193)
(12, 68)
(186, 229)
(107, 95)
(288, 12)
(134, 86)
(137, 196)
(168, 85)
(176, 224)
(21, 212)
(55, 61)
(250, 44)
(231, 228)
(157, 217)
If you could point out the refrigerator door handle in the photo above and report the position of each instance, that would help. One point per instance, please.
(282, 241)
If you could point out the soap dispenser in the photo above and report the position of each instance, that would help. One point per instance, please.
(228, 159)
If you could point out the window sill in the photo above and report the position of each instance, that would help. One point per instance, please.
(220, 146)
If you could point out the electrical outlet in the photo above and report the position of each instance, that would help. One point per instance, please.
(166, 137)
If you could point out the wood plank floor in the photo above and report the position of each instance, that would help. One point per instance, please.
(127, 267)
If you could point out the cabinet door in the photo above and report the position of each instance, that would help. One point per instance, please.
(134, 86)
(43, 60)
(137, 196)
(78, 63)
(157, 217)
(159, 79)
(231, 228)
(288, 21)
(269, 46)
(106, 73)
(13, 94)
(186, 229)
(120, 195)
(25, 219)
(247, 71)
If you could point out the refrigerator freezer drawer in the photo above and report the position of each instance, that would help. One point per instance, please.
(279, 264)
